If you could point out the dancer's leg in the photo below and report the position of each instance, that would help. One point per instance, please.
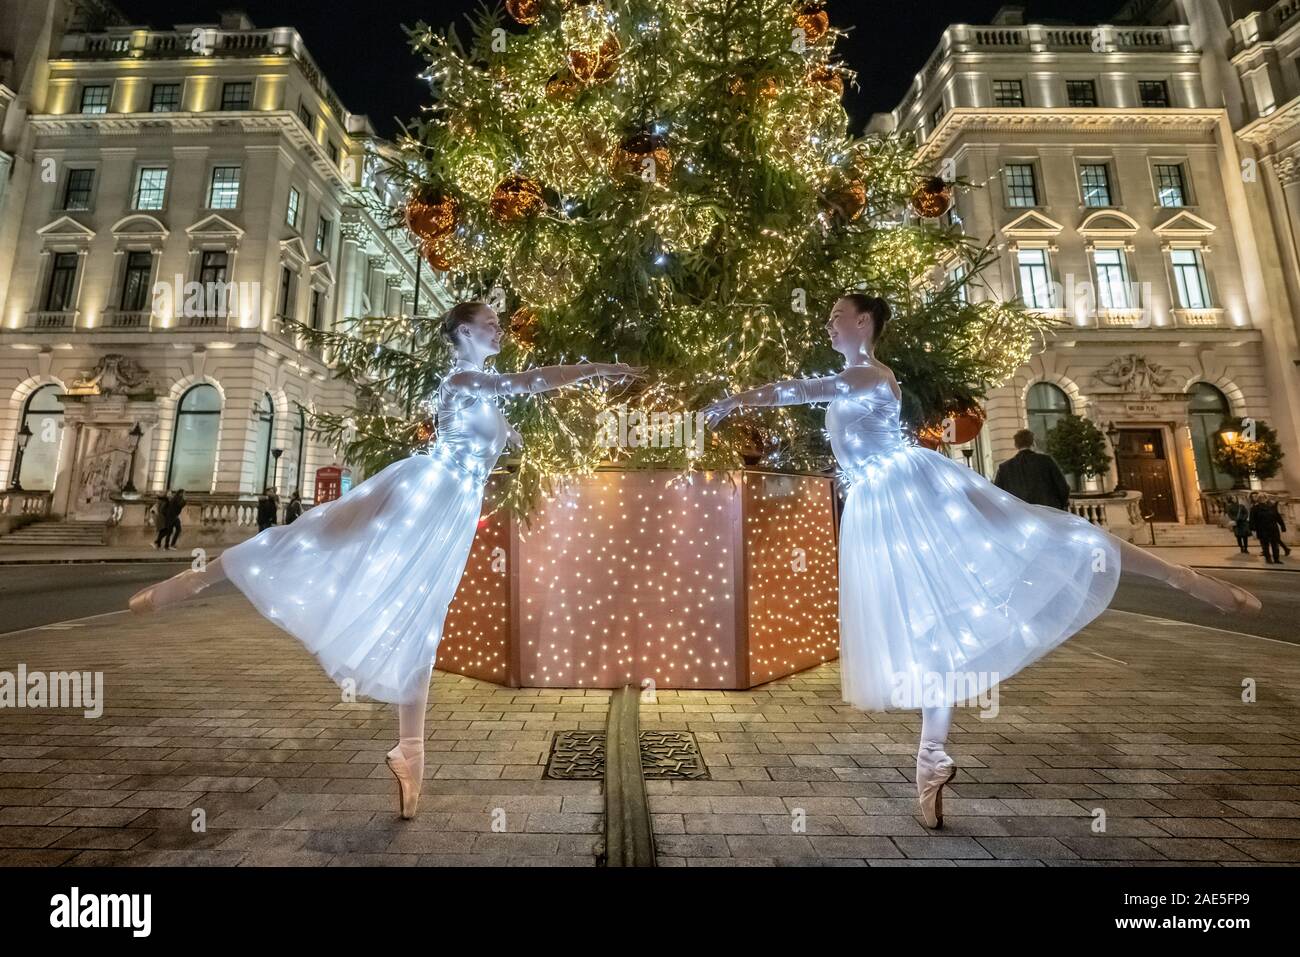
(177, 588)
(1227, 597)
(410, 730)
(935, 723)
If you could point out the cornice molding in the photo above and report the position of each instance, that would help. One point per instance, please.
(965, 119)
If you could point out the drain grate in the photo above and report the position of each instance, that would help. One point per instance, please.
(665, 756)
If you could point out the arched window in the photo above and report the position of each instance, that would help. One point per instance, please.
(194, 442)
(43, 416)
(1045, 405)
(1206, 408)
(262, 470)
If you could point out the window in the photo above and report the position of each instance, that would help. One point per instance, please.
(288, 290)
(1022, 190)
(165, 98)
(59, 290)
(94, 99)
(291, 214)
(936, 115)
(150, 187)
(1081, 93)
(76, 191)
(262, 454)
(1189, 277)
(1153, 93)
(323, 225)
(334, 152)
(1094, 178)
(1207, 407)
(224, 191)
(213, 264)
(1045, 406)
(194, 441)
(1112, 279)
(43, 416)
(236, 96)
(1035, 278)
(958, 278)
(135, 281)
(1171, 189)
(1008, 93)
(315, 316)
(305, 116)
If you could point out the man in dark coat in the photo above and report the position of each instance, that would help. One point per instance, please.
(176, 508)
(1032, 476)
(294, 509)
(162, 519)
(267, 509)
(1266, 522)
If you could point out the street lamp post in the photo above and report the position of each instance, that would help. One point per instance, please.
(1112, 433)
(275, 467)
(24, 436)
(129, 489)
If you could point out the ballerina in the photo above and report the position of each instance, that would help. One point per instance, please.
(948, 585)
(364, 581)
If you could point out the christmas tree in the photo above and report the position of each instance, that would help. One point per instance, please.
(669, 183)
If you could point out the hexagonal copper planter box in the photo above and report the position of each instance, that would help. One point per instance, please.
(727, 580)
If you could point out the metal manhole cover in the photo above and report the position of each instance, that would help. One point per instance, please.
(665, 755)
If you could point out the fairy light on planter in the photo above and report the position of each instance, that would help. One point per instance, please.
(631, 576)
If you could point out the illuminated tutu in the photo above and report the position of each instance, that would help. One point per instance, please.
(948, 585)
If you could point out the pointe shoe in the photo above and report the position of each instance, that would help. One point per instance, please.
(1191, 581)
(408, 788)
(934, 770)
(178, 588)
(142, 601)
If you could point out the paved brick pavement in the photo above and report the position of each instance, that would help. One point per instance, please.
(210, 708)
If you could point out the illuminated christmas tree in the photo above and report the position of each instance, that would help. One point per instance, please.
(669, 183)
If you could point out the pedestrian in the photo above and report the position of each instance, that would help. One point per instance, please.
(177, 508)
(1032, 476)
(162, 519)
(267, 508)
(1266, 521)
(1239, 515)
(293, 509)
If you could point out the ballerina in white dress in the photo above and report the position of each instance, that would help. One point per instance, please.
(948, 585)
(364, 581)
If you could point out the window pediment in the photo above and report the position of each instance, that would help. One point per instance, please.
(66, 229)
(1184, 225)
(1032, 225)
(1108, 223)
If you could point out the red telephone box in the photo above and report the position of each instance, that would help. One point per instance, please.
(331, 482)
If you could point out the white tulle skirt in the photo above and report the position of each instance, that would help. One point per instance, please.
(949, 585)
(364, 581)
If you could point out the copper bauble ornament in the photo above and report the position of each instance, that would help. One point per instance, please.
(957, 427)
(932, 198)
(828, 79)
(848, 201)
(563, 85)
(435, 254)
(593, 66)
(424, 431)
(644, 156)
(812, 20)
(526, 12)
(430, 215)
(523, 328)
(516, 197)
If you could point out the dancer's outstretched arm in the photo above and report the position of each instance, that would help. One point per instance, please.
(541, 379)
(855, 380)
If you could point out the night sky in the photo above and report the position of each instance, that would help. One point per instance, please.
(364, 54)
